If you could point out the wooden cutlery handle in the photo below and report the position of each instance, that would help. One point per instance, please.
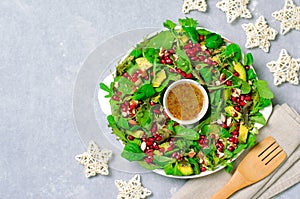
(236, 183)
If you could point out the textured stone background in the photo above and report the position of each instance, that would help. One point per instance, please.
(43, 46)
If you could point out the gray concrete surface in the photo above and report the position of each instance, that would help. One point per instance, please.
(44, 45)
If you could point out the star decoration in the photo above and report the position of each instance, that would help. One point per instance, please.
(95, 161)
(289, 17)
(189, 5)
(132, 190)
(285, 68)
(259, 34)
(234, 9)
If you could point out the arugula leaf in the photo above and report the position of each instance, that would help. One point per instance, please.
(143, 115)
(206, 73)
(183, 61)
(132, 152)
(112, 123)
(189, 26)
(213, 41)
(240, 148)
(263, 89)
(186, 133)
(245, 88)
(107, 89)
(233, 51)
(148, 166)
(169, 24)
(195, 165)
(144, 92)
(151, 54)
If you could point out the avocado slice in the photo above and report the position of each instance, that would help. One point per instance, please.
(159, 78)
(230, 111)
(243, 134)
(238, 67)
(185, 168)
(143, 63)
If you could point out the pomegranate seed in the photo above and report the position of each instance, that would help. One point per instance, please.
(207, 52)
(247, 67)
(194, 58)
(201, 58)
(248, 98)
(242, 98)
(214, 63)
(213, 136)
(174, 155)
(201, 141)
(189, 76)
(230, 148)
(235, 114)
(203, 169)
(149, 159)
(206, 141)
(151, 139)
(242, 103)
(169, 61)
(171, 51)
(228, 83)
(124, 109)
(129, 78)
(152, 103)
(179, 70)
(235, 132)
(213, 71)
(162, 150)
(230, 139)
(159, 138)
(171, 70)
(236, 74)
(183, 74)
(146, 77)
(202, 136)
(125, 74)
(237, 108)
(130, 137)
(156, 147)
(236, 140)
(134, 79)
(201, 37)
(116, 98)
(224, 126)
(238, 100)
(233, 99)
(156, 111)
(153, 129)
(163, 61)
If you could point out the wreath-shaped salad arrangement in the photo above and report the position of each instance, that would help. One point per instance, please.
(236, 98)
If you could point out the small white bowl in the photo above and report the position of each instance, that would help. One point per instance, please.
(204, 106)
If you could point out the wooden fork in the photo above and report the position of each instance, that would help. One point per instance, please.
(261, 161)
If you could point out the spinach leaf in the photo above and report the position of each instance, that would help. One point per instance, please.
(258, 118)
(188, 22)
(245, 88)
(123, 123)
(248, 59)
(206, 74)
(263, 89)
(132, 152)
(136, 53)
(183, 61)
(144, 92)
(186, 133)
(224, 133)
(124, 85)
(149, 166)
(251, 74)
(192, 33)
(162, 161)
(229, 167)
(203, 32)
(163, 39)
(233, 51)
(143, 115)
(213, 41)
(251, 140)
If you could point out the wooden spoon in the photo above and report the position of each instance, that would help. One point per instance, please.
(261, 161)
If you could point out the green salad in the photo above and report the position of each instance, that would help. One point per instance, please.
(186, 51)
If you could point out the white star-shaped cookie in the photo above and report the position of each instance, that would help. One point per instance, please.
(95, 161)
(189, 5)
(285, 69)
(259, 34)
(289, 17)
(234, 9)
(132, 189)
